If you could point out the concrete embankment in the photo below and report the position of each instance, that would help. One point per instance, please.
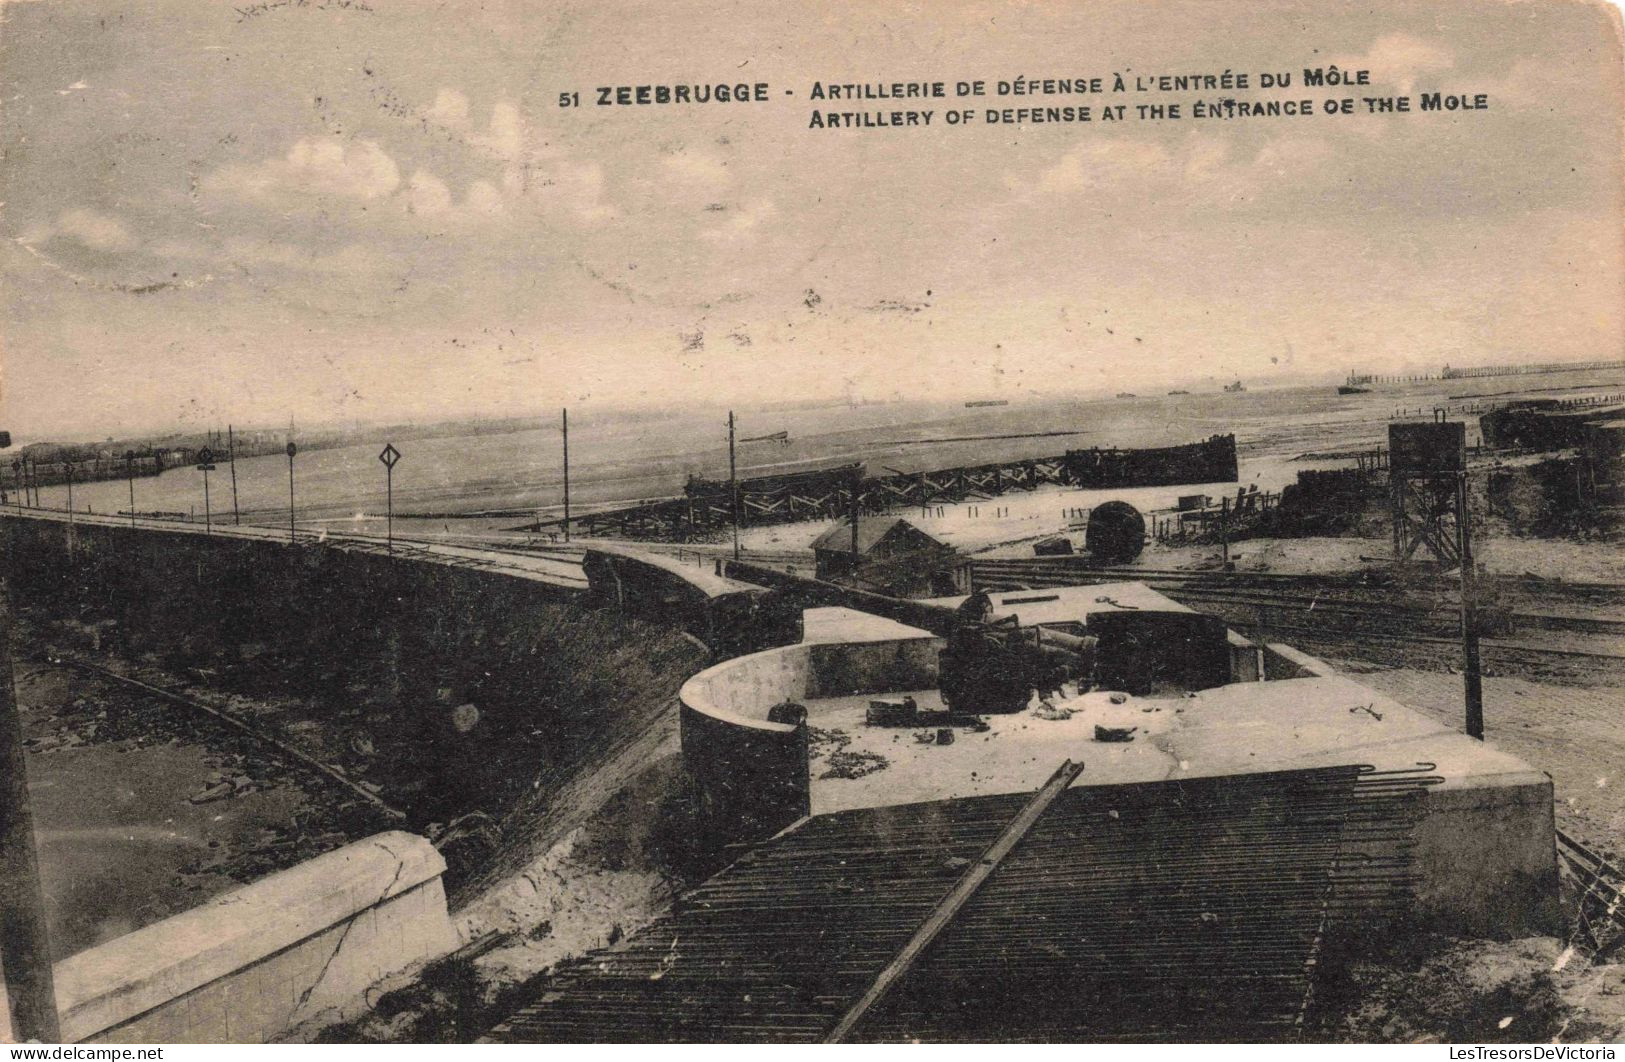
(452, 687)
(459, 688)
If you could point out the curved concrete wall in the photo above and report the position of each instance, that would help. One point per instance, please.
(730, 616)
(749, 774)
(361, 645)
(250, 965)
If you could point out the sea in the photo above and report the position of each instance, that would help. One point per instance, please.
(618, 456)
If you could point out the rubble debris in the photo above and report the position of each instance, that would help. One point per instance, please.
(844, 764)
(1114, 733)
(820, 741)
(892, 713)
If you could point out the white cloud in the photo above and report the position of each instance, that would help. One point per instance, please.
(427, 195)
(1097, 164)
(362, 170)
(350, 260)
(96, 231)
(700, 171)
(743, 223)
(505, 137)
(483, 198)
(450, 108)
(1396, 60)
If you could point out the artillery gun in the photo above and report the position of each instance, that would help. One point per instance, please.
(993, 666)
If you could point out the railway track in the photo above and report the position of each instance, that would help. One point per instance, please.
(1341, 609)
(279, 747)
(1075, 569)
(1444, 612)
(1491, 648)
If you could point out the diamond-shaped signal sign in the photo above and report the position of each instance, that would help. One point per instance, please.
(205, 459)
(389, 455)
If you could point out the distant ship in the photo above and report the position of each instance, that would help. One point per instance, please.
(1179, 392)
(1127, 394)
(1234, 389)
(987, 402)
(1350, 389)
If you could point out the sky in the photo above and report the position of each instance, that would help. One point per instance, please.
(377, 210)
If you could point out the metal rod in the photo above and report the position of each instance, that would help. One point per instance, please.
(956, 899)
(25, 952)
(389, 510)
(129, 471)
(208, 518)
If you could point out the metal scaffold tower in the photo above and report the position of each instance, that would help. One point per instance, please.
(1427, 475)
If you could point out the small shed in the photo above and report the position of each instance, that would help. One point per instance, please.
(893, 557)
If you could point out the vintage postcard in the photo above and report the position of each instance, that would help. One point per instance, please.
(558, 522)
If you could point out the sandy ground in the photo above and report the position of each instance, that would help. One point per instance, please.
(978, 525)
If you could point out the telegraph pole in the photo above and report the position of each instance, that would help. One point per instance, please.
(1472, 676)
(25, 950)
(733, 483)
(231, 455)
(129, 473)
(293, 534)
(565, 430)
(205, 464)
(857, 482)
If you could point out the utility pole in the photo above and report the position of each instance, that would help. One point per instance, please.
(1472, 676)
(25, 950)
(231, 455)
(389, 456)
(293, 534)
(565, 430)
(205, 464)
(857, 483)
(129, 473)
(733, 483)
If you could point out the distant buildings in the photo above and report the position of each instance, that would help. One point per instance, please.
(893, 557)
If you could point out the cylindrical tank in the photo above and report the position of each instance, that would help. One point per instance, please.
(1116, 532)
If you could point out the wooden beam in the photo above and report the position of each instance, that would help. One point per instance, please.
(951, 904)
